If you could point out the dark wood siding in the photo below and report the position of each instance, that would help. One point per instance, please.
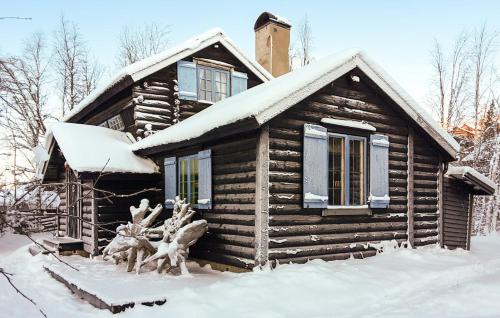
(425, 170)
(230, 238)
(88, 233)
(456, 214)
(62, 208)
(112, 211)
(298, 234)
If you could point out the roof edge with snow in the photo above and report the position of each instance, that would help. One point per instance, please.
(472, 177)
(141, 69)
(111, 154)
(264, 102)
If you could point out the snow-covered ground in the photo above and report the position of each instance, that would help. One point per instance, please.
(398, 283)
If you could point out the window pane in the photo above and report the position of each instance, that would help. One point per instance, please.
(356, 172)
(204, 84)
(336, 181)
(116, 123)
(221, 81)
(183, 179)
(193, 181)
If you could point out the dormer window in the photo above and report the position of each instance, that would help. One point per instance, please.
(209, 81)
(115, 122)
(213, 84)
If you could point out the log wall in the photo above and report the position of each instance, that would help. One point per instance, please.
(456, 214)
(61, 219)
(298, 234)
(230, 239)
(114, 211)
(88, 230)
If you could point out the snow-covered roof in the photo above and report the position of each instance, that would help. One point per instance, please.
(265, 101)
(474, 178)
(95, 149)
(154, 63)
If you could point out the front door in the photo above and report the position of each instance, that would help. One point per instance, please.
(73, 204)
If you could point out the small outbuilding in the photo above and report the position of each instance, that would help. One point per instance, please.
(461, 184)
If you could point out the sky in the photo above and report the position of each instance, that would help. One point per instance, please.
(396, 34)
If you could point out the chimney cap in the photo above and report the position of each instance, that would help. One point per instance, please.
(266, 17)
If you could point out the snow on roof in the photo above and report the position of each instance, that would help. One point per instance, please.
(349, 123)
(479, 180)
(265, 101)
(88, 149)
(154, 63)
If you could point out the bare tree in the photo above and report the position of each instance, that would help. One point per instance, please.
(305, 42)
(451, 78)
(483, 48)
(77, 74)
(140, 43)
(69, 52)
(92, 72)
(23, 94)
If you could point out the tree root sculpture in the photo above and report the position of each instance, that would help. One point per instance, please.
(132, 242)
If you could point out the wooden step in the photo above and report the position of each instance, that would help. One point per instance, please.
(63, 244)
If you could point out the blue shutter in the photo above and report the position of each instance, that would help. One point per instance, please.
(187, 80)
(205, 179)
(379, 172)
(238, 82)
(170, 181)
(315, 172)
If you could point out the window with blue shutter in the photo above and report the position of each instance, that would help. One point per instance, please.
(315, 170)
(187, 80)
(238, 82)
(205, 179)
(379, 172)
(170, 173)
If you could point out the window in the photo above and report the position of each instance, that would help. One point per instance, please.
(346, 170)
(188, 178)
(115, 122)
(209, 81)
(213, 84)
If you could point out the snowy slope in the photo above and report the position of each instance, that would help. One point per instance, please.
(427, 282)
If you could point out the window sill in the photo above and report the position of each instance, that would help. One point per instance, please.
(346, 210)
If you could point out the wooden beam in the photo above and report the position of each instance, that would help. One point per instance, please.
(410, 188)
(440, 180)
(262, 198)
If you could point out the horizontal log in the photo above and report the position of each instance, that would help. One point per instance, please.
(153, 110)
(229, 218)
(233, 167)
(152, 118)
(306, 240)
(147, 95)
(335, 228)
(230, 178)
(327, 257)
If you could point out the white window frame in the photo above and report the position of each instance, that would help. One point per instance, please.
(213, 71)
(348, 138)
(116, 122)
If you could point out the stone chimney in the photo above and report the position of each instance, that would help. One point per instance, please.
(272, 41)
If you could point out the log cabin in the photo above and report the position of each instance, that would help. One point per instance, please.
(326, 161)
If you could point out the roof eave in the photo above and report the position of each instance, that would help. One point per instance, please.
(242, 126)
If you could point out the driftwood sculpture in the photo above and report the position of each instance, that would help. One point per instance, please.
(132, 242)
